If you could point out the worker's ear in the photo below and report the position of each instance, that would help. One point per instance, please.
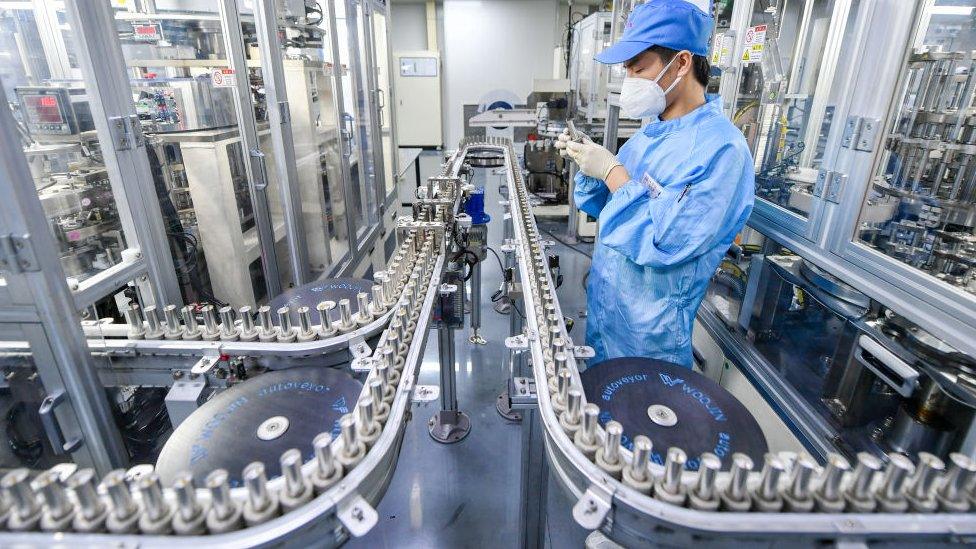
(684, 62)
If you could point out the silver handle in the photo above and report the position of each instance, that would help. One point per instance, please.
(904, 386)
(51, 427)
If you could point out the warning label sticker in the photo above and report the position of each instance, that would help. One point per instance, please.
(222, 78)
(754, 44)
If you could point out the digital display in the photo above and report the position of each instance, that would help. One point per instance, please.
(43, 109)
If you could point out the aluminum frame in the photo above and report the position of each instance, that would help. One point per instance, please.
(273, 75)
(46, 315)
(808, 227)
(148, 260)
(255, 164)
(391, 199)
(871, 89)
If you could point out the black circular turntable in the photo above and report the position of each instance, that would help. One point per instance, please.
(673, 406)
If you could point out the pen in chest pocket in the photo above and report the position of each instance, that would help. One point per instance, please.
(684, 192)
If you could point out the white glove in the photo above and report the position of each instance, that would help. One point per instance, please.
(564, 138)
(594, 160)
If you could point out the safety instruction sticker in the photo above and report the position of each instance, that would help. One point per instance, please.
(722, 50)
(716, 48)
(754, 44)
(222, 78)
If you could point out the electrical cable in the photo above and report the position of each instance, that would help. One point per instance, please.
(567, 244)
(501, 266)
(27, 449)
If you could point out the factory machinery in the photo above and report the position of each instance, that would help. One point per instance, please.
(328, 493)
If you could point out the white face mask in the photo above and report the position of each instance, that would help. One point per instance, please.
(643, 98)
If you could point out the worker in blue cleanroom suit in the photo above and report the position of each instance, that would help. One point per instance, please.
(672, 200)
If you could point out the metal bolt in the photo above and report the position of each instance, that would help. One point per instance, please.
(867, 466)
(123, 505)
(52, 492)
(209, 319)
(962, 471)
(324, 463)
(803, 469)
(264, 318)
(16, 484)
(172, 320)
(741, 466)
(189, 319)
(611, 445)
(641, 457)
(832, 476)
(773, 469)
(383, 371)
(379, 298)
(708, 467)
(256, 482)
(926, 474)
(223, 504)
(305, 320)
(673, 465)
(362, 301)
(326, 311)
(152, 496)
(291, 469)
(247, 321)
(284, 320)
(563, 380)
(376, 390)
(590, 414)
(388, 291)
(186, 496)
(347, 429)
(345, 315)
(82, 483)
(227, 327)
(899, 469)
(560, 360)
(574, 400)
(134, 320)
(366, 414)
(152, 318)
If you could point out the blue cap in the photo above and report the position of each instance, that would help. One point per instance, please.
(675, 24)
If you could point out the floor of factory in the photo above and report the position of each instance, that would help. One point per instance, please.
(467, 494)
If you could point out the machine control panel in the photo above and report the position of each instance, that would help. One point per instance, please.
(51, 111)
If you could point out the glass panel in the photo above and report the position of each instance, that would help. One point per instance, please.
(364, 114)
(51, 107)
(786, 95)
(588, 78)
(349, 129)
(184, 95)
(382, 56)
(921, 208)
(139, 413)
(308, 82)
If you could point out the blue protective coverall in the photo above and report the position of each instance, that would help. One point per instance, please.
(663, 233)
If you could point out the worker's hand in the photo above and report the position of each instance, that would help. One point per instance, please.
(594, 160)
(564, 138)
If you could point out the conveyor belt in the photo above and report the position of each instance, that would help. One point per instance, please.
(791, 499)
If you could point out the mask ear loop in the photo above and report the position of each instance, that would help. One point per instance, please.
(664, 70)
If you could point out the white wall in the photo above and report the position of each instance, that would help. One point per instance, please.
(493, 44)
(409, 27)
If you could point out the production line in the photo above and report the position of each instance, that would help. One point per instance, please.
(217, 287)
(333, 494)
